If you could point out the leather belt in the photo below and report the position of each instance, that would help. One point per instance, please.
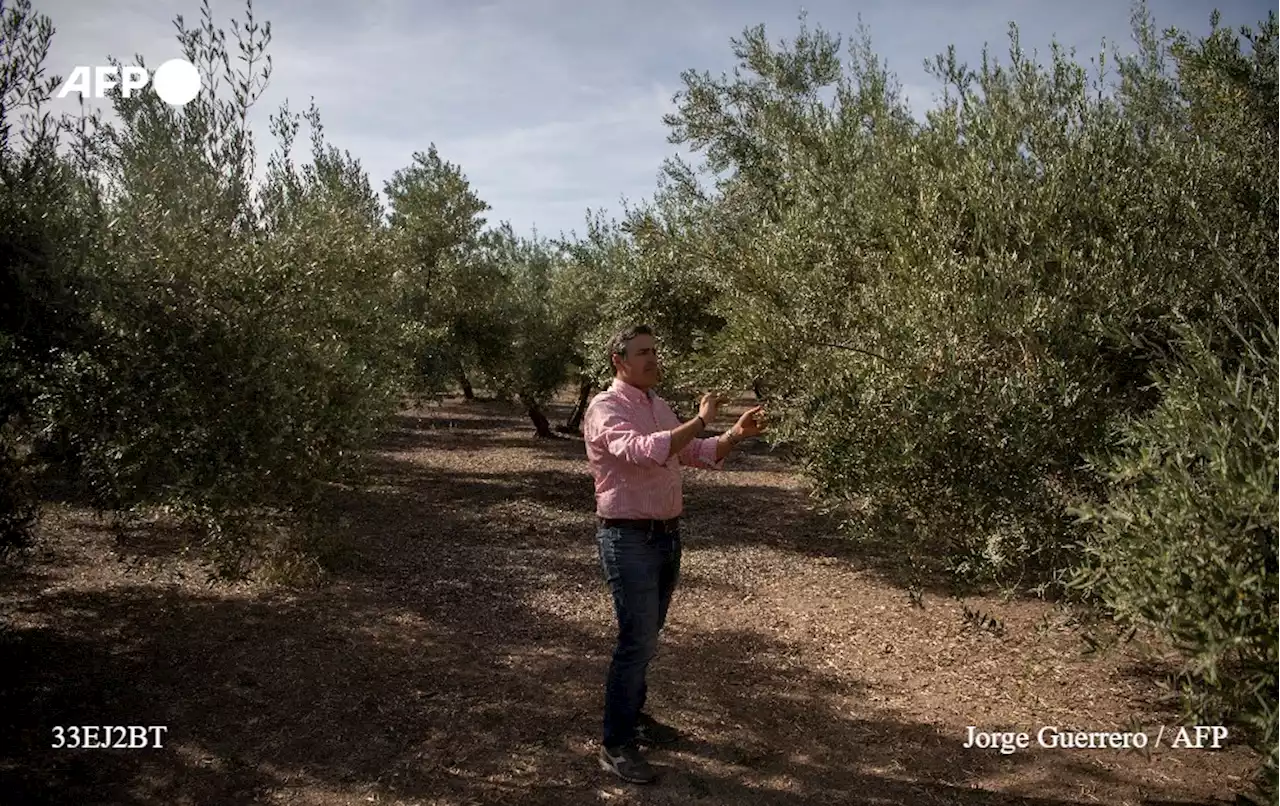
(655, 526)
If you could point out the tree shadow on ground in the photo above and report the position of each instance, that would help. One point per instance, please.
(465, 660)
(265, 696)
(448, 685)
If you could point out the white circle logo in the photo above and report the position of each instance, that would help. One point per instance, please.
(176, 82)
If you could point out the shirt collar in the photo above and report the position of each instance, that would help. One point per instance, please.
(632, 393)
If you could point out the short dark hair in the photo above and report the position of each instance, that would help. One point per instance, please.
(618, 344)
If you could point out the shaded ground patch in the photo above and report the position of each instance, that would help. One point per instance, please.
(462, 659)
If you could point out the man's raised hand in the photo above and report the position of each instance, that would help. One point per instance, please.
(751, 423)
(708, 407)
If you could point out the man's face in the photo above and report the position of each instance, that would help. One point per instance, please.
(640, 365)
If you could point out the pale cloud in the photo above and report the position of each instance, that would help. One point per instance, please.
(552, 107)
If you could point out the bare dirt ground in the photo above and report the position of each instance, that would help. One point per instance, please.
(459, 658)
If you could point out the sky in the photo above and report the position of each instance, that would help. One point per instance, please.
(554, 107)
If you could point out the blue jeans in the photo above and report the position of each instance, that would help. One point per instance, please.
(641, 569)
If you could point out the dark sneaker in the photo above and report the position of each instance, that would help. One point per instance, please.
(627, 763)
(651, 732)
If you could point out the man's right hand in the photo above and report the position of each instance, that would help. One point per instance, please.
(708, 407)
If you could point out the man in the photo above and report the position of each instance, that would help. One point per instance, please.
(635, 446)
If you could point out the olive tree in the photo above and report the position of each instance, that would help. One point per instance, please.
(956, 315)
(46, 291)
(436, 218)
(242, 352)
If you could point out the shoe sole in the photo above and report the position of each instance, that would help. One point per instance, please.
(607, 767)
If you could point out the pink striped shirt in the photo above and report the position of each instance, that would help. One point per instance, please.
(628, 435)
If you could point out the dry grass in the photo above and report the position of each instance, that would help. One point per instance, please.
(459, 657)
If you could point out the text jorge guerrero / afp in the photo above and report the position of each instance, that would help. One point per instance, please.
(1195, 737)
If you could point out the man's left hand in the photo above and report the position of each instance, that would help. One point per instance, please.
(751, 423)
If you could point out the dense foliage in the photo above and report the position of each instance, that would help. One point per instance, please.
(1185, 539)
(1030, 334)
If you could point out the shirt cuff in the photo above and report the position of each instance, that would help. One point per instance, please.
(707, 453)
